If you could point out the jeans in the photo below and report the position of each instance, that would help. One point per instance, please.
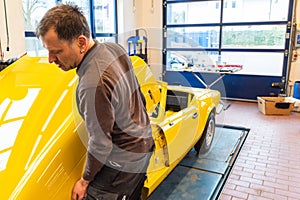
(111, 184)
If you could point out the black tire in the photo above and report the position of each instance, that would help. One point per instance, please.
(204, 143)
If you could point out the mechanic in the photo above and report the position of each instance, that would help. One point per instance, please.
(109, 100)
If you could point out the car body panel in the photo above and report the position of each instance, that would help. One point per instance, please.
(36, 119)
(43, 139)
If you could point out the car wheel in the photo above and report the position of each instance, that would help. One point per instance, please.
(204, 143)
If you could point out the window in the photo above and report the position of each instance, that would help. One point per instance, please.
(193, 13)
(196, 29)
(233, 4)
(254, 37)
(33, 11)
(102, 20)
(104, 16)
(265, 11)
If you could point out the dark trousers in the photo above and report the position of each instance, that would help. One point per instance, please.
(111, 184)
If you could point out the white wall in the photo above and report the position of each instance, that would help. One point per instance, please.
(15, 29)
(150, 18)
(126, 16)
(146, 16)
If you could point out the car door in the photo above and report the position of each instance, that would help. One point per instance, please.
(180, 124)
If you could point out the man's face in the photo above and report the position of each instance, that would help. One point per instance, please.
(64, 54)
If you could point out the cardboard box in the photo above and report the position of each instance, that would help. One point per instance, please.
(275, 105)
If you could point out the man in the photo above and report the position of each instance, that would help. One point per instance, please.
(109, 100)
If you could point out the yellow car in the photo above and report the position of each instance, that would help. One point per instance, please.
(43, 139)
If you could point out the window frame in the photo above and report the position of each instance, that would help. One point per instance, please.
(94, 33)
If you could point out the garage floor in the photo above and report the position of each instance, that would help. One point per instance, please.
(268, 166)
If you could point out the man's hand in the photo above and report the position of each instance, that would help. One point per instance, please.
(79, 189)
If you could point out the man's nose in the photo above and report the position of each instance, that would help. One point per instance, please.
(51, 58)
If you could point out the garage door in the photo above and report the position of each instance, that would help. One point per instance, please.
(253, 34)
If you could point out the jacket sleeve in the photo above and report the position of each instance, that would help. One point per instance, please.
(98, 114)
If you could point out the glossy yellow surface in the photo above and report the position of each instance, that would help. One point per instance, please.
(40, 150)
(43, 139)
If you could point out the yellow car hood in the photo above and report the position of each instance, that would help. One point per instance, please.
(35, 105)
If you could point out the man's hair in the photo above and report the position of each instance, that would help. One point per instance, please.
(67, 20)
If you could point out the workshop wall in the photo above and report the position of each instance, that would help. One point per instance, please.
(126, 16)
(150, 18)
(147, 17)
(16, 40)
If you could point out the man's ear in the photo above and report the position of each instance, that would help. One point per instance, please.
(82, 41)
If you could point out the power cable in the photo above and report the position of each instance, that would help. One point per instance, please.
(6, 24)
(1, 52)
